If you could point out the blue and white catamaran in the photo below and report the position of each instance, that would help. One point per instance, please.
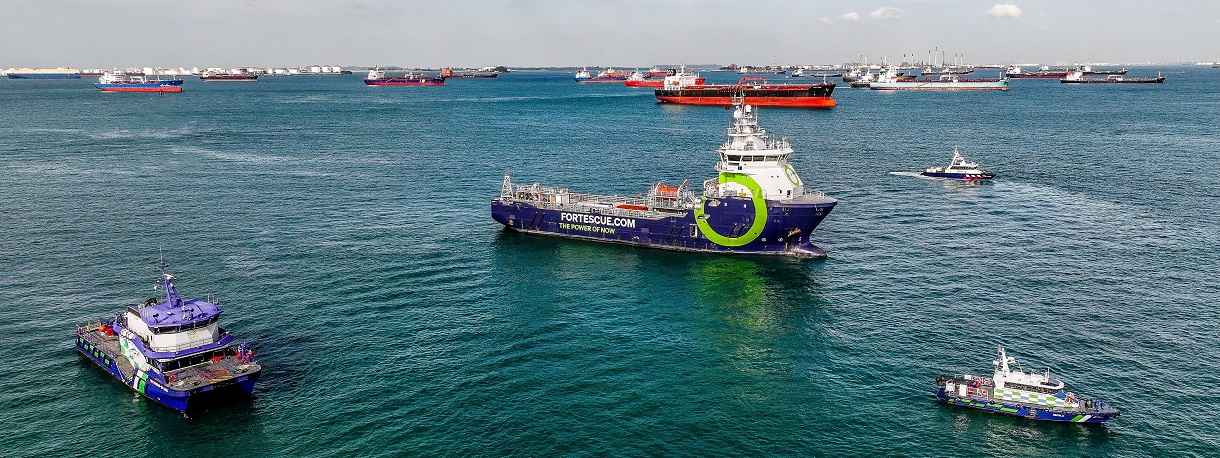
(172, 351)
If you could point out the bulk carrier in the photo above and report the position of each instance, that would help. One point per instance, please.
(757, 204)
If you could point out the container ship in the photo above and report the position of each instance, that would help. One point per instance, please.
(685, 89)
(42, 73)
(172, 351)
(756, 205)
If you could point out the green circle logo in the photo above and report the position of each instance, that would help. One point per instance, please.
(792, 175)
(760, 213)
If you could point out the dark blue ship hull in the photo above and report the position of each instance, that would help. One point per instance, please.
(153, 387)
(728, 225)
(1027, 411)
(960, 176)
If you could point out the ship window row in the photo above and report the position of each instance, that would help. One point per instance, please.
(184, 327)
(1036, 389)
(175, 364)
(740, 158)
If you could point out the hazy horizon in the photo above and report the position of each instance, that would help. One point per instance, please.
(551, 33)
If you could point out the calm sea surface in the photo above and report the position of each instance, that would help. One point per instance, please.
(347, 232)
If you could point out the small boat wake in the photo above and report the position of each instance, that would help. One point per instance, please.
(911, 174)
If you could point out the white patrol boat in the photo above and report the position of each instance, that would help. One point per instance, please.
(959, 168)
(1030, 395)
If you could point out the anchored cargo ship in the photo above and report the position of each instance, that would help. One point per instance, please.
(944, 83)
(757, 204)
(117, 81)
(377, 78)
(637, 79)
(223, 76)
(1078, 77)
(42, 73)
(1016, 72)
(608, 75)
(684, 89)
(173, 351)
(449, 73)
(1016, 393)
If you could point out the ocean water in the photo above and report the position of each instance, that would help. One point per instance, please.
(346, 231)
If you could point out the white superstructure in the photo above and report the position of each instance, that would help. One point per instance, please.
(750, 151)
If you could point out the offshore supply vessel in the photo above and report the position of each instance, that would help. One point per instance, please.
(173, 352)
(1017, 393)
(757, 204)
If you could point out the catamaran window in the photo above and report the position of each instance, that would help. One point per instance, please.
(175, 364)
(184, 327)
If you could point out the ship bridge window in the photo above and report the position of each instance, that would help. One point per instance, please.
(771, 158)
(1036, 389)
(734, 158)
(175, 364)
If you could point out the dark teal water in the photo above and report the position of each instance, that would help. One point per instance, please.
(346, 231)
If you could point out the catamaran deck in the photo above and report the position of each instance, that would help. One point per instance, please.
(185, 379)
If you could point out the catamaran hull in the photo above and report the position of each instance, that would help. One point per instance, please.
(181, 401)
(1026, 411)
(729, 227)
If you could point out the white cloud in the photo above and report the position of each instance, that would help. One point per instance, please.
(852, 17)
(825, 20)
(1004, 10)
(886, 12)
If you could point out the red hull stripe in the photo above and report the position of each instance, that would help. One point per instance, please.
(802, 102)
(143, 89)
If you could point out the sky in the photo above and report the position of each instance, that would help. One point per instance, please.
(596, 33)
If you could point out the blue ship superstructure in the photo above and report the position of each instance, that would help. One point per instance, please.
(960, 169)
(757, 204)
(1017, 393)
(172, 351)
